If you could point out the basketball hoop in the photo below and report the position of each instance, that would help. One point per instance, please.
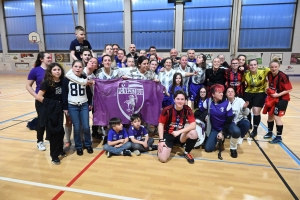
(34, 37)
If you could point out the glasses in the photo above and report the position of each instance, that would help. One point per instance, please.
(115, 48)
(202, 92)
(234, 63)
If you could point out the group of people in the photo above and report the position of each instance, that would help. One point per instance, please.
(222, 94)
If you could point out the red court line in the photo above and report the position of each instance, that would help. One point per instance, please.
(79, 174)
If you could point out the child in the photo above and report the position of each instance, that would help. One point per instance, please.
(117, 139)
(136, 133)
(177, 85)
(51, 114)
(79, 43)
(77, 100)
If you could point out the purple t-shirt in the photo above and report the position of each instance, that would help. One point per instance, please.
(137, 134)
(114, 136)
(37, 74)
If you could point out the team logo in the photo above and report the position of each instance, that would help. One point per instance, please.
(222, 109)
(130, 96)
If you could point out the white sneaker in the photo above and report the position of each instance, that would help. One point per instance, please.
(41, 146)
(137, 152)
(240, 141)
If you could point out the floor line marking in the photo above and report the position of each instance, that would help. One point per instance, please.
(8, 120)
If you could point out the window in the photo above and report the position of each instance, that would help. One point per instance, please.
(20, 20)
(153, 24)
(207, 25)
(267, 25)
(104, 22)
(59, 23)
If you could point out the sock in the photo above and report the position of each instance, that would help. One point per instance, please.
(270, 126)
(190, 143)
(250, 119)
(279, 129)
(68, 132)
(233, 143)
(256, 121)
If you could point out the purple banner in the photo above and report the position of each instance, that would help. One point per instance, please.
(122, 98)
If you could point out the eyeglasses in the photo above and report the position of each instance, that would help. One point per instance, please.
(234, 63)
(202, 92)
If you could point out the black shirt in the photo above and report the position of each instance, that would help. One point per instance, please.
(52, 92)
(215, 77)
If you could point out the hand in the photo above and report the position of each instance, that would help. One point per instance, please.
(275, 95)
(90, 108)
(122, 141)
(246, 104)
(167, 94)
(145, 144)
(220, 136)
(118, 145)
(124, 59)
(156, 80)
(176, 133)
(161, 146)
(241, 68)
(206, 118)
(124, 77)
(162, 69)
(66, 112)
(90, 82)
(195, 73)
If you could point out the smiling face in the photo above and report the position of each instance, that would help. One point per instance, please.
(115, 49)
(153, 66)
(130, 62)
(183, 61)
(179, 101)
(242, 60)
(86, 56)
(274, 68)
(47, 59)
(56, 72)
(202, 93)
(120, 55)
(199, 60)
(143, 66)
(234, 64)
(168, 64)
(216, 63)
(178, 80)
(109, 50)
(253, 66)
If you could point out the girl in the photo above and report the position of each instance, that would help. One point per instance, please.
(176, 85)
(278, 82)
(50, 95)
(37, 75)
(242, 62)
(77, 100)
(201, 97)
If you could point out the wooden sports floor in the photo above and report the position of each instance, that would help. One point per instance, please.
(261, 171)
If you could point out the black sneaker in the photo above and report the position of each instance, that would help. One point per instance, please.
(126, 152)
(233, 153)
(55, 161)
(253, 133)
(189, 158)
(154, 147)
(79, 152)
(268, 135)
(63, 154)
(108, 154)
(90, 149)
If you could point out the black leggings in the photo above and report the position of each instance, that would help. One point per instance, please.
(39, 130)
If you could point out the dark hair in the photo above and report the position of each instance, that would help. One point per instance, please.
(123, 51)
(198, 96)
(252, 60)
(203, 64)
(116, 45)
(168, 58)
(245, 64)
(180, 92)
(114, 121)
(174, 82)
(48, 74)
(83, 50)
(106, 56)
(38, 62)
(153, 61)
(140, 60)
(230, 87)
(154, 56)
(216, 87)
(79, 61)
(134, 117)
(152, 47)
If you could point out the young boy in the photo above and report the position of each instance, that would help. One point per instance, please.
(79, 43)
(136, 133)
(117, 139)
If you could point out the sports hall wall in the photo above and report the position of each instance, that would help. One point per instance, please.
(262, 29)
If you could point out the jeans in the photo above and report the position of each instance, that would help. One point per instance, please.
(117, 150)
(80, 118)
(244, 126)
(141, 148)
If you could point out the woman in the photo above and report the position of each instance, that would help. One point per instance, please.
(142, 70)
(256, 83)
(233, 78)
(37, 75)
(108, 72)
(281, 86)
(219, 121)
(108, 50)
(242, 62)
(214, 75)
(240, 111)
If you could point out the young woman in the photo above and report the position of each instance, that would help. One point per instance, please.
(176, 85)
(278, 82)
(201, 97)
(242, 62)
(142, 70)
(37, 75)
(214, 75)
(50, 96)
(108, 72)
(108, 50)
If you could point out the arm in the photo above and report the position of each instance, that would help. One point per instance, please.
(191, 126)
(276, 95)
(40, 96)
(72, 77)
(29, 88)
(133, 140)
(65, 92)
(113, 143)
(73, 55)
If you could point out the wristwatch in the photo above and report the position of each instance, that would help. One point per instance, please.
(162, 140)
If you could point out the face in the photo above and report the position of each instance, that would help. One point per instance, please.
(136, 123)
(222, 58)
(168, 64)
(118, 127)
(115, 49)
(86, 56)
(92, 64)
(120, 55)
(178, 80)
(56, 72)
(80, 35)
(218, 95)
(152, 57)
(234, 64)
(179, 100)
(173, 53)
(274, 68)
(142, 53)
(191, 54)
(199, 60)
(47, 59)
(152, 51)
(109, 50)
(130, 62)
(106, 62)
(143, 66)
(153, 66)
(202, 93)
(253, 66)
(242, 60)
(230, 93)
(77, 68)
(132, 48)
(183, 61)
(216, 63)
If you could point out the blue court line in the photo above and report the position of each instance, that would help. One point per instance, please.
(8, 120)
(294, 108)
(283, 147)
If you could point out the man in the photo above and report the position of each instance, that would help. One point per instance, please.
(152, 51)
(121, 58)
(172, 130)
(173, 56)
(86, 55)
(222, 61)
(191, 56)
(132, 52)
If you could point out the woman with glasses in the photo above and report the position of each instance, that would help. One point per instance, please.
(233, 78)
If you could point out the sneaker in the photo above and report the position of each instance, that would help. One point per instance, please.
(63, 154)
(240, 141)
(268, 135)
(41, 146)
(126, 152)
(137, 152)
(90, 150)
(189, 158)
(276, 140)
(79, 152)
(154, 147)
(108, 154)
(55, 161)
(253, 133)
(233, 153)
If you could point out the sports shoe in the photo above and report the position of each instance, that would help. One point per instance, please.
(276, 140)
(268, 135)
(55, 161)
(79, 152)
(63, 154)
(189, 158)
(126, 152)
(233, 153)
(108, 154)
(253, 133)
(154, 147)
(41, 146)
(90, 150)
(137, 152)
(240, 141)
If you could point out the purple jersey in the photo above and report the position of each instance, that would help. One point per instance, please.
(37, 74)
(114, 136)
(137, 134)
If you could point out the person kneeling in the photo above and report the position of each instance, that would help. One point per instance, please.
(171, 128)
(117, 139)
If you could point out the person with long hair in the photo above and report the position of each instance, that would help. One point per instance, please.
(242, 62)
(108, 50)
(214, 75)
(177, 84)
(36, 75)
(142, 71)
